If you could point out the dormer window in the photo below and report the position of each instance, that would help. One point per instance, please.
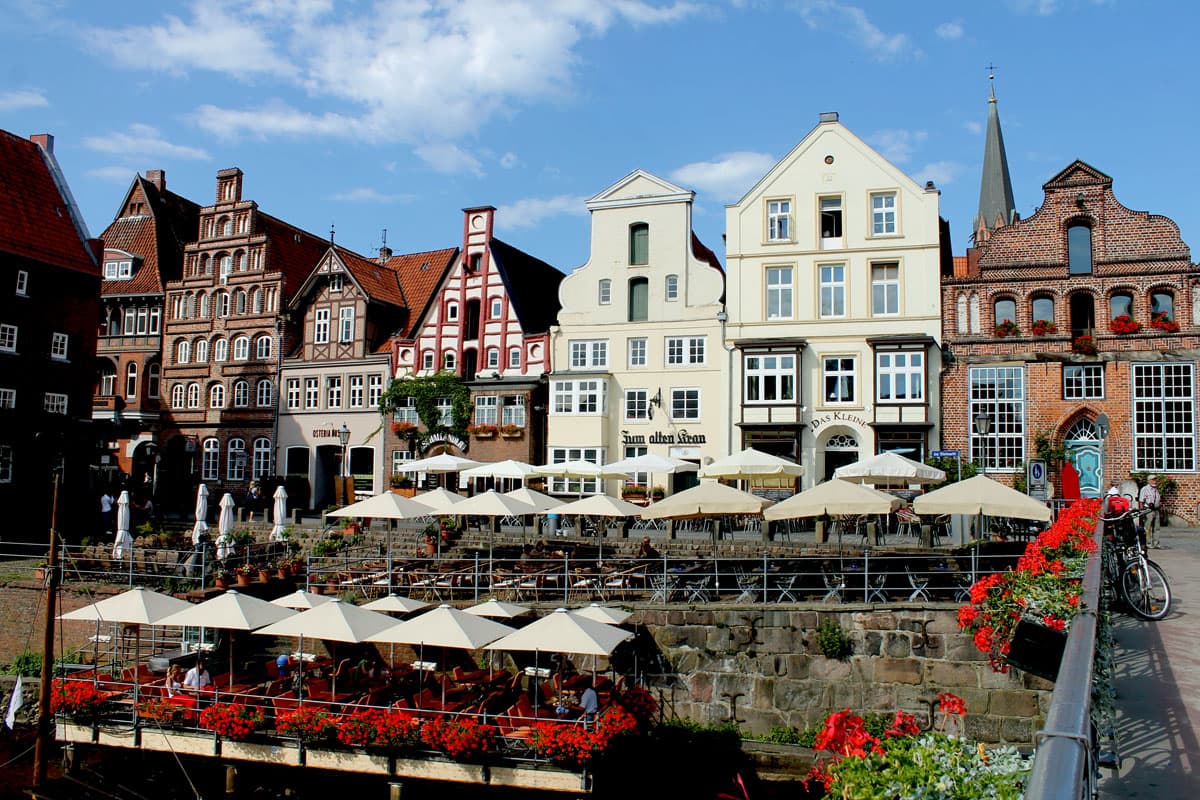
(118, 270)
(335, 283)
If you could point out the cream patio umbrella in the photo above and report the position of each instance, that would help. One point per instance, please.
(231, 611)
(978, 496)
(605, 614)
(542, 502)
(501, 470)
(498, 609)
(301, 600)
(123, 544)
(750, 464)
(492, 504)
(395, 604)
(576, 469)
(441, 463)
(225, 545)
(385, 505)
(201, 527)
(651, 463)
(439, 501)
(890, 468)
(834, 498)
(600, 505)
(706, 499)
(279, 514)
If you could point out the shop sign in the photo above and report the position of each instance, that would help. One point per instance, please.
(838, 416)
(448, 438)
(681, 437)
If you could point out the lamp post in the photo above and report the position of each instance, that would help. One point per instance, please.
(344, 438)
(983, 424)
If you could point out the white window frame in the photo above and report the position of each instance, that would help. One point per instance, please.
(108, 383)
(293, 394)
(588, 353)
(512, 410)
(321, 326)
(216, 395)
(452, 312)
(427, 360)
(496, 308)
(8, 338)
(241, 348)
(770, 378)
(1164, 417)
(493, 358)
(264, 393)
(155, 320)
(779, 220)
(54, 403)
(885, 286)
(832, 295)
(193, 395)
(210, 462)
(685, 403)
(671, 288)
(183, 352)
(638, 352)
(576, 486)
(200, 351)
(884, 214)
(8, 398)
(374, 390)
(399, 459)
(357, 395)
(178, 396)
(262, 347)
(487, 409)
(346, 323)
(221, 349)
(999, 393)
(900, 376)
(22, 283)
(261, 464)
(336, 281)
(333, 391)
(780, 293)
(835, 367)
(686, 351)
(637, 405)
(604, 292)
(449, 361)
(1083, 381)
(579, 396)
(312, 393)
(405, 410)
(131, 372)
(241, 393)
(235, 460)
(445, 411)
(514, 358)
(58, 346)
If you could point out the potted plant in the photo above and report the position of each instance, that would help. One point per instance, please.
(1162, 320)
(633, 491)
(657, 493)
(233, 721)
(1084, 345)
(511, 431)
(463, 739)
(402, 485)
(482, 431)
(1007, 328)
(404, 429)
(1123, 325)
(1044, 327)
(222, 578)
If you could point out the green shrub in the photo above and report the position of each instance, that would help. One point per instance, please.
(833, 640)
(28, 665)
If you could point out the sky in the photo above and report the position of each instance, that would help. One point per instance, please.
(397, 114)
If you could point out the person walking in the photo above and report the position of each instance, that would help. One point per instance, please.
(108, 517)
(1149, 498)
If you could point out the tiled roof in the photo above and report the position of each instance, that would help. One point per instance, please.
(380, 282)
(35, 219)
(960, 266)
(158, 238)
(420, 275)
(290, 251)
(700, 251)
(532, 286)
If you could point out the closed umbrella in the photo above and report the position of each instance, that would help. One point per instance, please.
(890, 468)
(279, 514)
(123, 546)
(225, 527)
(201, 527)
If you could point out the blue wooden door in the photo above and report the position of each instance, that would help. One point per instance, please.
(1085, 455)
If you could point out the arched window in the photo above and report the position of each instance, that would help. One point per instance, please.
(177, 395)
(241, 348)
(221, 350)
(201, 351)
(153, 380)
(449, 361)
(235, 469)
(1043, 309)
(239, 302)
(960, 314)
(239, 258)
(226, 266)
(205, 265)
(241, 394)
(108, 379)
(256, 301)
(216, 396)
(131, 380)
(265, 394)
(1162, 305)
(1120, 304)
(427, 360)
(672, 288)
(183, 352)
(1083, 314)
(189, 310)
(605, 292)
(639, 243)
(226, 226)
(493, 358)
(204, 306)
(272, 300)
(210, 466)
(1079, 249)
(1005, 311)
(974, 314)
(263, 347)
(193, 395)
(639, 299)
(223, 304)
(262, 458)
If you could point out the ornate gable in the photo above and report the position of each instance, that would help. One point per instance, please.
(1077, 174)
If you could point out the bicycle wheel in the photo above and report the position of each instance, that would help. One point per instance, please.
(1146, 590)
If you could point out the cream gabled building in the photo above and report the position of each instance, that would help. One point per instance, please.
(834, 260)
(638, 363)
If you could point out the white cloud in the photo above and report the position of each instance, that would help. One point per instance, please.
(509, 160)
(365, 194)
(449, 158)
(119, 175)
(973, 126)
(897, 145)
(1041, 8)
(143, 141)
(530, 212)
(949, 31)
(940, 172)
(727, 177)
(396, 70)
(11, 101)
(853, 21)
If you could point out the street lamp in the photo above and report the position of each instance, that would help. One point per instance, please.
(344, 438)
(983, 424)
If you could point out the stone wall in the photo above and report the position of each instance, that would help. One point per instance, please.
(768, 658)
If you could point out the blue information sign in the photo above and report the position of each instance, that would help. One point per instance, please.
(945, 453)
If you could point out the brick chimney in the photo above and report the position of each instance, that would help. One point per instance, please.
(158, 177)
(385, 254)
(44, 141)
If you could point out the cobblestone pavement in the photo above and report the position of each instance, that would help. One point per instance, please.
(1158, 685)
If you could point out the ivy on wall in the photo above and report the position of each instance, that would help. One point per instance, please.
(425, 392)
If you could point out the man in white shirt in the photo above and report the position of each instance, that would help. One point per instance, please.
(106, 512)
(1149, 497)
(198, 677)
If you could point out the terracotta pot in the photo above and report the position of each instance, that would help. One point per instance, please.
(220, 583)
(317, 588)
(283, 573)
(243, 580)
(264, 576)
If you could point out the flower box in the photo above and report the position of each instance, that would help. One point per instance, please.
(404, 429)
(1164, 322)
(1037, 649)
(1123, 324)
(1044, 327)
(483, 431)
(512, 431)
(1007, 328)
(1084, 345)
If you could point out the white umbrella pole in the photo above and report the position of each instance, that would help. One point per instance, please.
(300, 666)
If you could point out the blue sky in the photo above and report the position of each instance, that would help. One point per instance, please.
(399, 113)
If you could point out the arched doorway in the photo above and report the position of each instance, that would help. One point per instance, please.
(1082, 441)
(840, 449)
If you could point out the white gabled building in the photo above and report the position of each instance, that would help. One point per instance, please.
(834, 263)
(638, 363)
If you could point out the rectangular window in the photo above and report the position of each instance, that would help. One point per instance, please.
(1164, 418)
(514, 358)
(335, 282)
(839, 379)
(770, 378)
(831, 223)
(143, 321)
(637, 478)
(779, 292)
(58, 347)
(683, 350)
(155, 320)
(579, 397)
(883, 213)
(513, 410)
(593, 455)
(293, 393)
(833, 290)
(497, 308)
(587, 354)
(374, 390)
(487, 410)
(333, 391)
(346, 324)
(779, 220)
(356, 391)
(55, 403)
(22, 282)
(312, 393)
(900, 377)
(405, 410)
(130, 321)
(637, 405)
(885, 289)
(637, 352)
(685, 404)
(604, 292)
(999, 394)
(639, 243)
(321, 326)
(445, 411)
(1083, 381)
(8, 398)
(399, 457)
(6, 463)
(8, 338)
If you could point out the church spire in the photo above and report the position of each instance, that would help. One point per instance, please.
(996, 206)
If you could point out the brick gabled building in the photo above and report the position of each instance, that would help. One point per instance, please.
(49, 290)
(346, 314)
(1084, 308)
(143, 250)
(224, 335)
(488, 323)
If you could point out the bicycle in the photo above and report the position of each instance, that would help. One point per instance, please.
(1141, 583)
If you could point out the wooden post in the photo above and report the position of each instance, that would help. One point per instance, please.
(822, 535)
(395, 790)
(230, 781)
(45, 727)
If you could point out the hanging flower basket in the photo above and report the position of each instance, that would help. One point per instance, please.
(1037, 648)
(1084, 345)
(1123, 325)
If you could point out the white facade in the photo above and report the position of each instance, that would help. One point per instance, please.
(833, 301)
(637, 353)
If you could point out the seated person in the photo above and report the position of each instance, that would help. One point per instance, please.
(174, 686)
(647, 550)
(589, 703)
(284, 665)
(539, 550)
(198, 677)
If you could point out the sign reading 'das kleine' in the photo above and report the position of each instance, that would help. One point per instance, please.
(838, 416)
(682, 437)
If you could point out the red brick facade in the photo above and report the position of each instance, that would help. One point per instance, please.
(1138, 257)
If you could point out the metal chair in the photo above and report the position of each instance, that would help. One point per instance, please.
(835, 584)
(875, 588)
(919, 584)
(786, 588)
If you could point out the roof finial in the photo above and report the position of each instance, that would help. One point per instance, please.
(991, 68)
(331, 226)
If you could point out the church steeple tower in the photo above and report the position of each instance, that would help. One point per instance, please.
(996, 206)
